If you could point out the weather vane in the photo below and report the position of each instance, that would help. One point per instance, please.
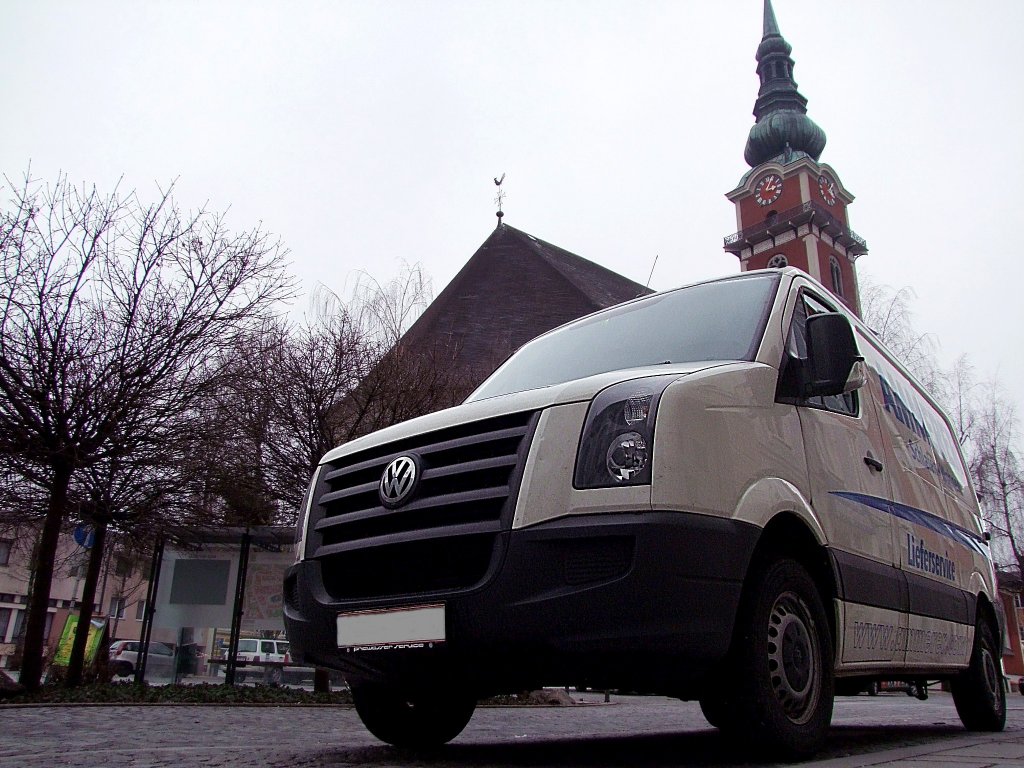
(500, 197)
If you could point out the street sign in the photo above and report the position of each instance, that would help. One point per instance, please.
(84, 535)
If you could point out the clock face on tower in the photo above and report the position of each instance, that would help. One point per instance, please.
(827, 188)
(768, 189)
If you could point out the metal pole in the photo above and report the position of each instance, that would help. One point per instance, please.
(103, 583)
(236, 613)
(147, 619)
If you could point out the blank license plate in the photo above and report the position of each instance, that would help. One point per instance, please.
(414, 627)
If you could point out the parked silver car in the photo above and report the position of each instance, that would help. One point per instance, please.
(124, 656)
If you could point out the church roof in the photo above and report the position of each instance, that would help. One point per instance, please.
(515, 287)
(782, 126)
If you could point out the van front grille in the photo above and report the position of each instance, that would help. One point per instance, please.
(448, 533)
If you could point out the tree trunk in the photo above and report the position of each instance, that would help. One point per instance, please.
(321, 680)
(39, 600)
(92, 577)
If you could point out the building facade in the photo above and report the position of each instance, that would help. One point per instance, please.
(120, 594)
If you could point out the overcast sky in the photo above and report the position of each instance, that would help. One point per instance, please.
(366, 134)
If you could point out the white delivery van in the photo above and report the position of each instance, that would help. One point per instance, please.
(728, 492)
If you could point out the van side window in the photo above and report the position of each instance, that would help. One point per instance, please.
(796, 351)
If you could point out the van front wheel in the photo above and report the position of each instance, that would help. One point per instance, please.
(413, 720)
(785, 662)
(978, 691)
(719, 711)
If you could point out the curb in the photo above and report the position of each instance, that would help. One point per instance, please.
(919, 753)
(288, 704)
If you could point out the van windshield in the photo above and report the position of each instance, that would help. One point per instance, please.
(720, 320)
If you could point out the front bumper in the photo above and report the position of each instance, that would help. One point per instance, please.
(644, 601)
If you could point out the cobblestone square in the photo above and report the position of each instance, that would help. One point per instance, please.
(627, 732)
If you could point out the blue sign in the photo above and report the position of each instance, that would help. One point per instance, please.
(84, 535)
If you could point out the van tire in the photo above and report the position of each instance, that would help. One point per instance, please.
(784, 660)
(412, 720)
(978, 691)
(719, 711)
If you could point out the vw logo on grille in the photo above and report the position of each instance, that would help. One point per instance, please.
(399, 481)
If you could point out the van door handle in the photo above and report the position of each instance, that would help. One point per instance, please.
(872, 462)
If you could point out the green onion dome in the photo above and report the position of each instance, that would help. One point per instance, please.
(780, 110)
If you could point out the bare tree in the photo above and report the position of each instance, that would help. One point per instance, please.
(956, 391)
(395, 381)
(293, 392)
(999, 476)
(239, 412)
(22, 497)
(114, 312)
(384, 311)
(887, 312)
(311, 372)
(405, 383)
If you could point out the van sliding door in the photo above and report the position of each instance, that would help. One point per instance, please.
(937, 545)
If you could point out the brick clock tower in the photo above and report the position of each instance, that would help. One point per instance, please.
(790, 208)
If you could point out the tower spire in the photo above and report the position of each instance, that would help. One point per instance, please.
(780, 110)
(771, 26)
(791, 209)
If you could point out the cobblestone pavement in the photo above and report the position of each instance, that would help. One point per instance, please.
(627, 733)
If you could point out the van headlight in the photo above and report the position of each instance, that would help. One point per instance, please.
(618, 435)
(303, 518)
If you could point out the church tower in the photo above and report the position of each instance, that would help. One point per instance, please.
(790, 208)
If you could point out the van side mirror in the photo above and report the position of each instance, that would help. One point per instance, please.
(835, 365)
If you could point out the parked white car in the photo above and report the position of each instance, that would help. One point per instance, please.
(258, 649)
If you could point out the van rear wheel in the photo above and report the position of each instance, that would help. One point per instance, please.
(785, 685)
(978, 691)
(414, 720)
